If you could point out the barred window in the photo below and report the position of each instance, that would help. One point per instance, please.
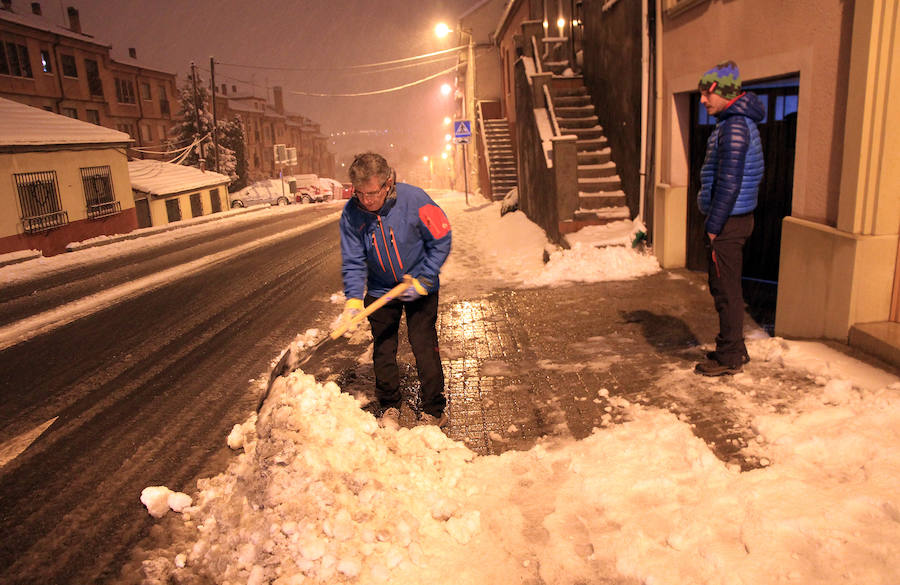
(98, 192)
(215, 202)
(196, 205)
(39, 201)
(173, 210)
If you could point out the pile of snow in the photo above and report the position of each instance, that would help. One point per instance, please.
(322, 494)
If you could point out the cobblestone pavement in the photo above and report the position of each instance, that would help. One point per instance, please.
(524, 365)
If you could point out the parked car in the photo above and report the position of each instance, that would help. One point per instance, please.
(330, 189)
(347, 191)
(308, 189)
(259, 194)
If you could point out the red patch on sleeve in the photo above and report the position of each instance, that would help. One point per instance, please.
(435, 220)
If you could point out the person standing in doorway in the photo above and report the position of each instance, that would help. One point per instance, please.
(729, 183)
(390, 230)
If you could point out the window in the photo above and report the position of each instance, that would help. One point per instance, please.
(14, 60)
(173, 210)
(145, 91)
(163, 100)
(215, 203)
(196, 205)
(146, 133)
(98, 192)
(39, 201)
(126, 128)
(70, 112)
(46, 67)
(125, 91)
(68, 66)
(93, 116)
(95, 84)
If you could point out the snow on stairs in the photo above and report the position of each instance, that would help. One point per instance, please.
(600, 195)
(502, 171)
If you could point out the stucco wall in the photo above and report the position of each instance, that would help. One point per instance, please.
(769, 38)
(67, 164)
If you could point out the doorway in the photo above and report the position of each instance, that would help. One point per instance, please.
(778, 134)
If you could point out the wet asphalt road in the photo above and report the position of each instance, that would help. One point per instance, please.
(146, 390)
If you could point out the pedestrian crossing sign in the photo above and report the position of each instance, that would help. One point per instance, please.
(462, 129)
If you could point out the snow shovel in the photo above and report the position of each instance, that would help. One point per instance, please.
(286, 365)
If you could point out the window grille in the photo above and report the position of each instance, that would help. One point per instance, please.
(98, 192)
(173, 210)
(196, 205)
(39, 200)
(215, 202)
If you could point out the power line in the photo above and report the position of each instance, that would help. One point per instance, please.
(378, 91)
(364, 66)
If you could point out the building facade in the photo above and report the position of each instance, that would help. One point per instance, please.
(61, 180)
(63, 70)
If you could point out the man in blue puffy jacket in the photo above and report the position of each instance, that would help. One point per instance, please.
(389, 230)
(729, 182)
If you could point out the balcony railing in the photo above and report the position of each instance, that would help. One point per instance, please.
(42, 223)
(98, 210)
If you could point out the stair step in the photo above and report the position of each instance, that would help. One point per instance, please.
(599, 184)
(584, 122)
(569, 91)
(601, 200)
(573, 111)
(590, 133)
(603, 216)
(594, 156)
(591, 144)
(605, 169)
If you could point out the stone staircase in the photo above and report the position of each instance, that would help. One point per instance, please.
(502, 170)
(600, 196)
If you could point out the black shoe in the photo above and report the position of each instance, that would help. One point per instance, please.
(714, 368)
(712, 355)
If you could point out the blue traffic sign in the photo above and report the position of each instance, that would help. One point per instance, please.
(462, 128)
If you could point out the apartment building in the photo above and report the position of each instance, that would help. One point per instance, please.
(64, 70)
(267, 124)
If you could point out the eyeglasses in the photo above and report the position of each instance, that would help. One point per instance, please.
(370, 194)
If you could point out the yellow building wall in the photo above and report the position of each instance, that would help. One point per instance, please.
(159, 216)
(68, 165)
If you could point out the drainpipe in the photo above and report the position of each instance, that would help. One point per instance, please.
(645, 91)
(62, 92)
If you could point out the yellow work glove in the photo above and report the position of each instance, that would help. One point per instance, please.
(352, 308)
(416, 290)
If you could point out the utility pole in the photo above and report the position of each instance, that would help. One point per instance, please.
(196, 106)
(212, 97)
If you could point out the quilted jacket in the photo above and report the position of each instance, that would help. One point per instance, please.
(734, 164)
(410, 234)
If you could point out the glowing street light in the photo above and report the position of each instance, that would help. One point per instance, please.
(448, 147)
(425, 158)
(444, 155)
(447, 120)
(446, 89)
(442, 30)
(447, 138)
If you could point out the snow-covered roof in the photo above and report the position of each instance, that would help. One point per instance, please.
(161, 178)
(126, 60)
(238, 106)
(23, 125)
(42, 23)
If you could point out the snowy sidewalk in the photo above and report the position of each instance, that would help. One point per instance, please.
(617, 463)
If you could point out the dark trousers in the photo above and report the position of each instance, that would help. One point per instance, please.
(421, 323)
(725, 287)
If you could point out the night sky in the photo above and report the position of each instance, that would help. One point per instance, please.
(292, 34)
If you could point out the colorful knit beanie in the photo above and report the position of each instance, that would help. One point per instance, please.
(723, 79)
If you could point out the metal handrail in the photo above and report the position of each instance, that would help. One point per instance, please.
(484, 143)
(552, 111)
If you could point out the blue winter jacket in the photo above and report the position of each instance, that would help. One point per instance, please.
(734, 165)
(410, 234)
